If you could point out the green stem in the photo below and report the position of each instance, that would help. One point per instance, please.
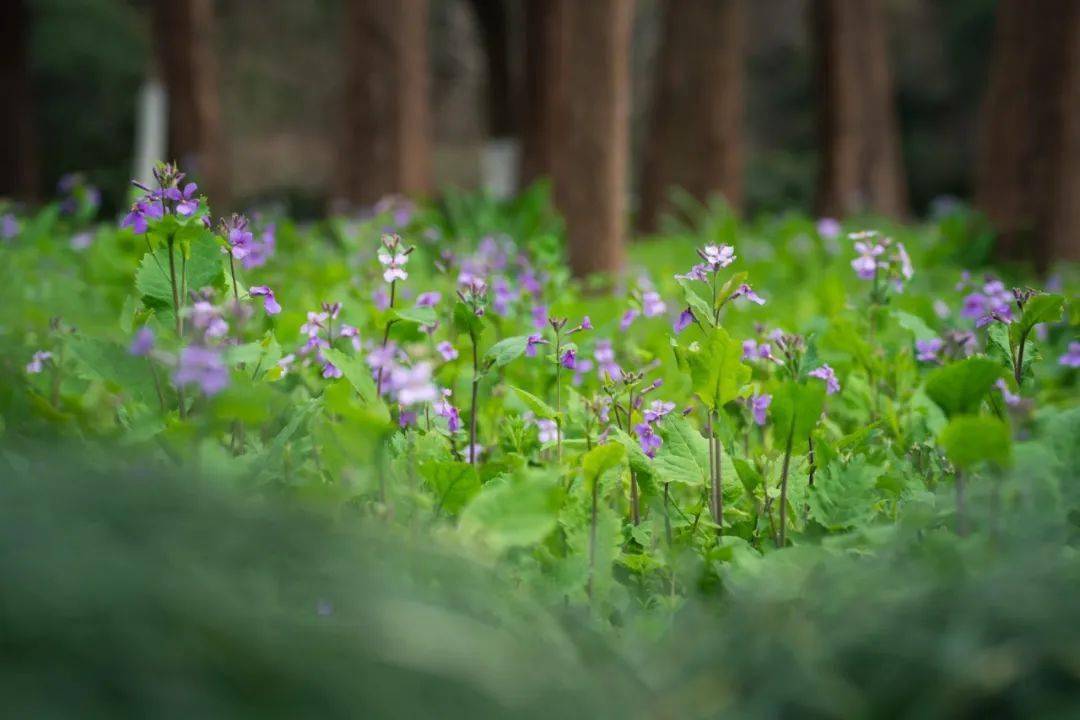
(475, 388)
(179, 323)
(783, 487)
(386, 339)
(558, 396)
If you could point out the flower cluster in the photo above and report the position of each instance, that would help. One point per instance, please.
(168, 199)
(881, 259)
(392, 256)
(990, 302)
(649, 441)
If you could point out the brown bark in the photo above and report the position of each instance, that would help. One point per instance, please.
(1028, 169)
(184, 41)
(592, 132)
(387, 143)
(861, 166)
(18, 153)
(543, 87)
(494, 26)
(695, 141)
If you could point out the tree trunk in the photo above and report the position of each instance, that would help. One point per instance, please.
(184, 39)
(494, 27)
(18, 153)
(387, 143)
(861, 168)
(543, 87)
(695, 142)
(1028, 169)
(592, 128)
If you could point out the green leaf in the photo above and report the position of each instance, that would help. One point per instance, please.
(418, 315)
(601, 459)
(204, 268)
(914, 324)
(796, 408)
(466, 322)
(513, 511)
(639, 461)
(112, 364)
(715, 367)
(540, 408)
(506, 351)
(698, 304)
(959, 388)
(1038, 309)
(357, 373)
(843, 496)
(971, 439)
(684, 456)
(453, 483)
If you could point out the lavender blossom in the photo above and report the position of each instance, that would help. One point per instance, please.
(9, 226)
(448, 351)
(717, 257)
(412, 386)
(444, 409)
(352, 333)
(628, 319)
(649, 441)
(829, 228)
(531, 343)
(1011, 399)
(1071, 358)
(604, 354)
(202, 366)
(652, 305)
(548, 430)
(685, 319)
(428, 299)
(826, 373)
(658, 409)
(143, 342)
(37, 362)
(568, 358)
(330, 370)
(381, 299)
(270, 303)
(747, 292)
(759, 404)
(927, 350)
(81, 241)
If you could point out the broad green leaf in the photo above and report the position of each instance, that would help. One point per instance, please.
(702, 310)
(684, 456)
(540, 408)
(466, 321)
(204, 268)
(601, 459)
(512, 512)
(959, 388)
(639, 461)
(418, 315)
(122, 372)
(843, 496)
(453, 483)
(796, 408)
(356, 372)
(715, 367)
(506, 351)
(971, 439)
(914, 324)
(1038, 309)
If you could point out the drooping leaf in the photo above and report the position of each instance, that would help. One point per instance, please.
(715, 367)
(205, 267)
(843, 496)
(506, 351)
(513, 511)
(356, 372)
(417, 315)
(684, 456)
(959, 388)
(796, 408)
(1041, 308)
(121, 371)
(601, 459)
(914, 324)
(539, 408)
(454, 484)
(971, 439)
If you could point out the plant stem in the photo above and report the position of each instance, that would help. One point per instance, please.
(176, 316)
(783, 487)
(718, 473)
(386, 339)
(157, 384)
(667, 514)
(635, 509)
(961, 522)
(592, 535)
(475, 388)
(1018, 366)
(558, 395)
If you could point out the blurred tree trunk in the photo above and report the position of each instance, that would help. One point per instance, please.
(184, 41)
(387, 142)
(543, 87)
(861, 166)
(1028, 169)
(592, 133)
(495, 38)
(18, 152)
(695, 142)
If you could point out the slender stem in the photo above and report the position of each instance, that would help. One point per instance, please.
(232, 271)
(475, 388)
(1018, 366)
(592, 535)
(176, 315)
(667, 514)
(783, 488)
(718, 475)
(961, 521)
(157, 383)
(558, 395)
(386, 338)
(635, 507)
(813, 470)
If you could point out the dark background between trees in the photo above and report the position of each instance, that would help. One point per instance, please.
(826, 106)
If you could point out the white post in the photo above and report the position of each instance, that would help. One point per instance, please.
(151, 128)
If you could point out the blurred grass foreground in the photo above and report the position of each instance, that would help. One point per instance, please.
(133, 593)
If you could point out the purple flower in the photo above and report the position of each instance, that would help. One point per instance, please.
(330, 370)
(652, 305)
(381, 299)
(262, 249)
(444, 409)
(927, 350)
(628, 319)
(448, 351)
(829, 228)
(568, 358)
(315, 322)
(81, 241)
(428, 299)
(353, 333)
(332, 309)
(270, 303)
(186, 202)
(747, 292)
(143, 342)
(1010, 398)
(529, 282)
(826, 373)
(383, 358)
(540, 317)
(867, 263)
(717, 257)
(531, 343)
(658, 409)
(586, 323)
(1072, 357)
(413, 385)
(9, 226)
(202, 366)
(286, 363)
(648, 439)
(548, 430)
(238, 238)
(502, 296)
(206, 317)
(37, 362)
(759, 404)
(697, 272)
(686, 317)
(604, 355)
